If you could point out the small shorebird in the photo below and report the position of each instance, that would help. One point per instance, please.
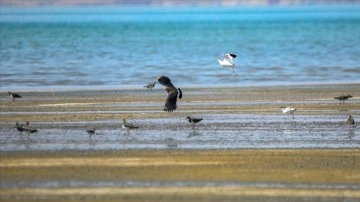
(150, 86)
(127, 126)
(90, 131)
(28, 128)
(350, 120)
(193, 121)
(19, 127)
(342, 98)
(170, 103)
(228, 62)
(288, 111)
(13, 95)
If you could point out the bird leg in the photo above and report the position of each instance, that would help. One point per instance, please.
(234, 75)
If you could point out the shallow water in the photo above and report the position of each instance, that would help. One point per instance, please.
(102, 46)
(218, 131)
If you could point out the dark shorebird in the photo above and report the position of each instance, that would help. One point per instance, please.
(127, 126)
(13, 95)
(19, 127)
(228, 62)
(170, 103)
(193, 121)
(150, 86)
(90, 131)
(288, 110)
(343, 98)
(350, 120)
(28, 128)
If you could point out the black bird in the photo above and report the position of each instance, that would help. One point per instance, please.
(170, 103)
(28, 128)
(350, 120)
(343, 98)
(90, 131)
(19, 127)
(13, 95)
(193, 121)
(150, 86)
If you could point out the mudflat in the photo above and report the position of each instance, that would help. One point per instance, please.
(182, 175)
(244, 149)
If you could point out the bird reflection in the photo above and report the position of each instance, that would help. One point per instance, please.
(351, 133)
(193, 134)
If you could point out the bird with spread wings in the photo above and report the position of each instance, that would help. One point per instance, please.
(173, 93)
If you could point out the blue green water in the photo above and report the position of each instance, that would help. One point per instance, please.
(121, 46)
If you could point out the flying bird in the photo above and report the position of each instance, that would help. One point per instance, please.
(350, 120)
(13, 95)
(150, 86)
(228, 61)
(193, 121)
(173, 93)
(342, 98)
(288, 111)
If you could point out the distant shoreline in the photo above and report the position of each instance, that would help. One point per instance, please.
(62, 88)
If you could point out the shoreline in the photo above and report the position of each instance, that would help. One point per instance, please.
(69, 88)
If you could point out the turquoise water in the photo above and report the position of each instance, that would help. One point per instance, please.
(104, 46)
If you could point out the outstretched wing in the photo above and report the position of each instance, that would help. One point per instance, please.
(170, 103)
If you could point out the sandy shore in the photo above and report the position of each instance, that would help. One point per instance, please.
(182, 175)
(177, 173)
(139, 104)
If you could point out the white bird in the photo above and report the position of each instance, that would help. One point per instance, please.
(228, 62)
(288, 111)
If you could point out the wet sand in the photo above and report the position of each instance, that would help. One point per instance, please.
(124, 167)
(182, 175)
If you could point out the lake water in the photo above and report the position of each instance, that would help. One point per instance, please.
(120, 46)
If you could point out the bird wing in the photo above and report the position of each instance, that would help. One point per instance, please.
(164, 80)
(229, 58)
(170, 103)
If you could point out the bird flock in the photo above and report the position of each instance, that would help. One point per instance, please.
(173, 94)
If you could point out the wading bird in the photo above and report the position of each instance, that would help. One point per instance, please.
(228, 61)
(19, 127)
(13, 95)
(350, 120)
(170, 103)
(90, 131)
(288, 111)
(193, 121)
(343, 98)
(127, 126)
(150, 86)
(28, 128)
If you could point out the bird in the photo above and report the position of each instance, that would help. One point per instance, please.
(288, 110)
(13, 95)
(150, 86)
(173, 93)
(27, 127)
(90, 131)
(127, 126)
(228, 61)
(350, 120)
(193, 121)
(342, 98)
(19, 127)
